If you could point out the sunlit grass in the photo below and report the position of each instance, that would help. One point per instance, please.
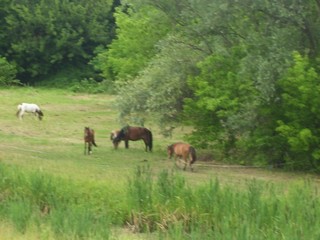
(53, 150)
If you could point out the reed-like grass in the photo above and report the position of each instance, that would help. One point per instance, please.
(260, 211)
(35, 198)
(164, 206)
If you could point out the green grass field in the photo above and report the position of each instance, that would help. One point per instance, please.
(54, 147)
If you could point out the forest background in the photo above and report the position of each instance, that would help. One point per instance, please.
(243, 74)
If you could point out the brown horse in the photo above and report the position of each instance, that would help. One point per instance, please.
(184, 151)
(88, 140)
(132, 133)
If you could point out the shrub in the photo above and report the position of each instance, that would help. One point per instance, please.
(8, 73)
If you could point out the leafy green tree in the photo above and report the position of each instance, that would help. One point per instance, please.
(138, 32)
(7, 73)
(300, 126)
(46, 36)
(221, 107)
(217, 68)
(4, 9)
(159, 89)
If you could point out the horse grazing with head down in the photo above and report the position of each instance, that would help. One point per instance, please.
(184, 151)
(29, 108)
(89, 140)
(114, 134)
(132, 133)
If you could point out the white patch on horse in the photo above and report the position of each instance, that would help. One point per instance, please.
(29, 108)
(114, 134)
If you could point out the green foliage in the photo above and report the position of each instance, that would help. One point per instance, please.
(138, 32)
(90, 86)
(219, 109)
(79, 222)
(300, 123)
(217, 68)
(19, 212)
(44, 36)
(7, 73)
(35, 197)
(160, 88)
(210, 211)
(140, 190)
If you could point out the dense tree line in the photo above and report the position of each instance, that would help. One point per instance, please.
(244, 74)
(41, 37)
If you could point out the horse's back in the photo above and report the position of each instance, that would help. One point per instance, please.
(137, 133)
(28, 107)
(181, 147)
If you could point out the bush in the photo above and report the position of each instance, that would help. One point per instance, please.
(89, 85)
(8, 73)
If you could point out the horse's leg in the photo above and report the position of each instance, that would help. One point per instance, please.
(147, 141)
(89, 148)
(185, 159)
(21, 112)
(175, 160)
(185, 164)
(126, 142)
(18, 113)
(146, 144)
(85, 147)
(189, 163)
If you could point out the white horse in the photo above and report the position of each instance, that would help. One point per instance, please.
(29, 108)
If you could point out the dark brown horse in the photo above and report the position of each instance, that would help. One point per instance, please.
(132, 133)
(184, 151)
(88, 140)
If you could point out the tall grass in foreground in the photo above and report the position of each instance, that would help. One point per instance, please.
(259, 211)
(37, 199)
(165, 206)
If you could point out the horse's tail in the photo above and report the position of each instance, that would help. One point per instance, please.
(93, 141)
(19, 110)
(193, 154)
(150, 140)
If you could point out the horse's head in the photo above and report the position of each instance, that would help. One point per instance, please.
(170, 151)
(116, 141)
(114, 134)
(120, 135)
(40, 114)
(114, 138)
(87, 132)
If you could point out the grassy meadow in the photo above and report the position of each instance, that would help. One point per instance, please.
(50, 190)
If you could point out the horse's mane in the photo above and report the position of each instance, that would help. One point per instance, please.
(125, 129)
